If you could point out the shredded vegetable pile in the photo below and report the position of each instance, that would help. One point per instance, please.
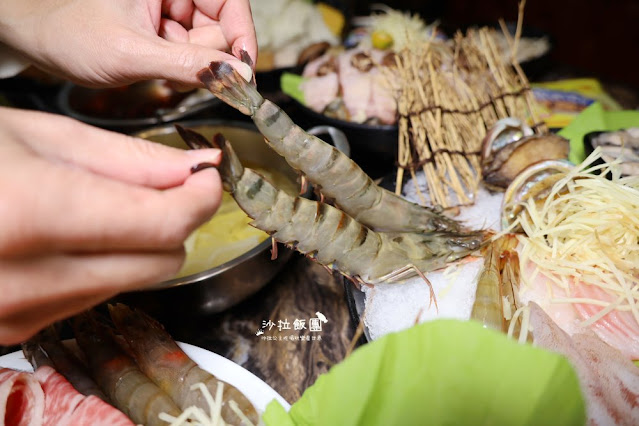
(195, 416)
(586, 232)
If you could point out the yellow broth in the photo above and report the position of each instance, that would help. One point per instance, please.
(227, 234)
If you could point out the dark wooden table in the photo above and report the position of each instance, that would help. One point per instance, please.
(289, 360)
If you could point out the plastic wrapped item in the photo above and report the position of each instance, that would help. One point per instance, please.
(559, 102)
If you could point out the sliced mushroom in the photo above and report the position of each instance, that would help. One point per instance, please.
(312, 52)
(328, 67)
(362, 61)
(389, 60)
(336, 109)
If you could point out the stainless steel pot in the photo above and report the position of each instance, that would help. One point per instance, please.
(219, 288)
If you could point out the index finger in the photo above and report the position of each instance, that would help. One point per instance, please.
(236, 22)
(72, 210)
(107, 153)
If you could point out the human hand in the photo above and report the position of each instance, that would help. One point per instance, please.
(116, 42)
(88, 213)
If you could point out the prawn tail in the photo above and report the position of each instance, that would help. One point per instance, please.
(45, 348)
(231, 169)
(34, 353)
(192, 138)
(227, 84)
(142, 333)
(246, 58)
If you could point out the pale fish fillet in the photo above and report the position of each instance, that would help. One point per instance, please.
(609, 381)
(382, 102)
(311, 68)
(542, 290)
(618, 329)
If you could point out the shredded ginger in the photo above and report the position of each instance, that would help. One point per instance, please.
(586, 232)
(196, 416)
(404, 28)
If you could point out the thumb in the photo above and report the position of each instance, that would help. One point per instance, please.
(180, 62)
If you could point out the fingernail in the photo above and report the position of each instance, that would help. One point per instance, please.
(201, 166)
(244, 70)
(209, 155)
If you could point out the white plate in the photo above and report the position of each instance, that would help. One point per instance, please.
(257, 391)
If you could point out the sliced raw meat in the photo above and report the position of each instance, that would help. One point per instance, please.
(60, 396)
(320, 91)
(382, 104)
(21, 399)
(66, 406)
(93, 411)
(356, 87)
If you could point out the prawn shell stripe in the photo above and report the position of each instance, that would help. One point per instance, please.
(272, 118)
(331, 236)
(128, 388)
(326, 167)
(162, 360)
(254, 189)
(325, 233)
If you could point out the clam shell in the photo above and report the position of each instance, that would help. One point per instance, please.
(534, 182)
(493, 172)
(503, 133)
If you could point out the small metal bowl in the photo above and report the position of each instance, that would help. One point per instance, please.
(133, 107)
(217, 289)
(373, 147)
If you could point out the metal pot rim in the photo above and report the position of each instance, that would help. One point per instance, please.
(160, 118)
(204, 275)
(338, 139)
(211, 272)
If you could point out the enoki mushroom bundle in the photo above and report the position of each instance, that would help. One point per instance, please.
(449, 94)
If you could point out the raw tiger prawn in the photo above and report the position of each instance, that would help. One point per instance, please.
(335, 174)
(329, 235)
